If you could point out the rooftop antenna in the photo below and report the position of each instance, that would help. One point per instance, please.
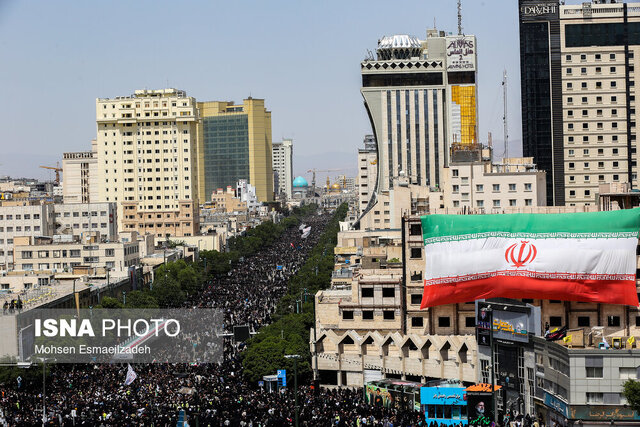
(504, 117)
(434, 22)
(459, 17)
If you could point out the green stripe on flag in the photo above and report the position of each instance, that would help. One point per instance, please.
(621, 221)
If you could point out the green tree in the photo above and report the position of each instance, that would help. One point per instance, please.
(109, 302)
(631, 392)
(141, 299)
(168, 294)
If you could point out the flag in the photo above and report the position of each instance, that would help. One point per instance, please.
(631, 340)
(131, 375)
(567, 339)
(588, 257)
(556, 334)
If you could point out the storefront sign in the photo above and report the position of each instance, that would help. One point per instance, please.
(442, 396)
(602, 413)
(556, 404)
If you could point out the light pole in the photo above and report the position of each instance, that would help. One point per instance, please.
(493, 366)
(44, 390)
(295, 358)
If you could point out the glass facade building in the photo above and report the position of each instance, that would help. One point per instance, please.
(226, 151)
(541, 95)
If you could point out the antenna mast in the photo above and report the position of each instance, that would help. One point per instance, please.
(504, 117)
(459, 17)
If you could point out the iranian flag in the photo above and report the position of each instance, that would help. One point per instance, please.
(587, 257)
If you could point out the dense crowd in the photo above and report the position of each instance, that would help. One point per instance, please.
(209, 394)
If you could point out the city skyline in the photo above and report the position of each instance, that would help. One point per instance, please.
(61, 56)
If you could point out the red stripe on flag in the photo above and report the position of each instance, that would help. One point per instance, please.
(602, 291)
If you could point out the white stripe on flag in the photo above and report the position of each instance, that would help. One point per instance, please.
(595, 256)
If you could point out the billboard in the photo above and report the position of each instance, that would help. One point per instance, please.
(379, 396)
(461, 53)
(480, 408)
(509, 322)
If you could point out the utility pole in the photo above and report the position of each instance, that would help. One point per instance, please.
(504, 117)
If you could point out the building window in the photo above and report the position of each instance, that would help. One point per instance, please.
(367, 292)
(527, 187)
(388, 292)
(584, 321)
(347, 315)
(593, 372)
(388, 315)
(628, 373)
(367, 315)
(595, 398)
(496, 187)
(613, 321)
(416, 253)
(444, 321)
(416, 299)
(512, 187)
(470, 322)
(555, 321)
(417, 322)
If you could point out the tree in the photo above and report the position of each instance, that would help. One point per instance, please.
(140, 299)
(631, 392)
(168, 294)
(109, 302)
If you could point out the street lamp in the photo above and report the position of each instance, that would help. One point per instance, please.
(295, 358)
(44, 389)
(489, 310)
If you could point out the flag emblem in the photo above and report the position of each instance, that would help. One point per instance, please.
(516, 253)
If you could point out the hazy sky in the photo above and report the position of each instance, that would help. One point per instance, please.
(303, 57)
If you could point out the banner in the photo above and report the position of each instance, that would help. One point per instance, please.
(589, 257)
(131, 375)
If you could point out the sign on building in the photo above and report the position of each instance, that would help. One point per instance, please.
(461, 53)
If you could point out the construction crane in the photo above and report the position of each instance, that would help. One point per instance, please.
(313, 181)
(58, 169)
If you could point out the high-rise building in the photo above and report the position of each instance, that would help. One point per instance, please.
(367, 172)
(234, 143)
(145, 148)
(283, 167)
(577, 65)
(421, 99)
(79, 177)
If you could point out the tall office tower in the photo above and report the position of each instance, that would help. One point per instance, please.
(421, 99)
(367, 172)
(79, 177)
(283, 167)
(234, 142)
(577, 67)
(145, 148)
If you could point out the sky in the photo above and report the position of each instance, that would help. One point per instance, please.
(303, 57)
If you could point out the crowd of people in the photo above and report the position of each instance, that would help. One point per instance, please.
(205, 394)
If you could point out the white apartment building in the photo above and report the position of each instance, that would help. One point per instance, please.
(26, 220)
(482, 187)
(43, 254)
(80, 218)
(79, 176)
(282, 158)
(146, 144)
